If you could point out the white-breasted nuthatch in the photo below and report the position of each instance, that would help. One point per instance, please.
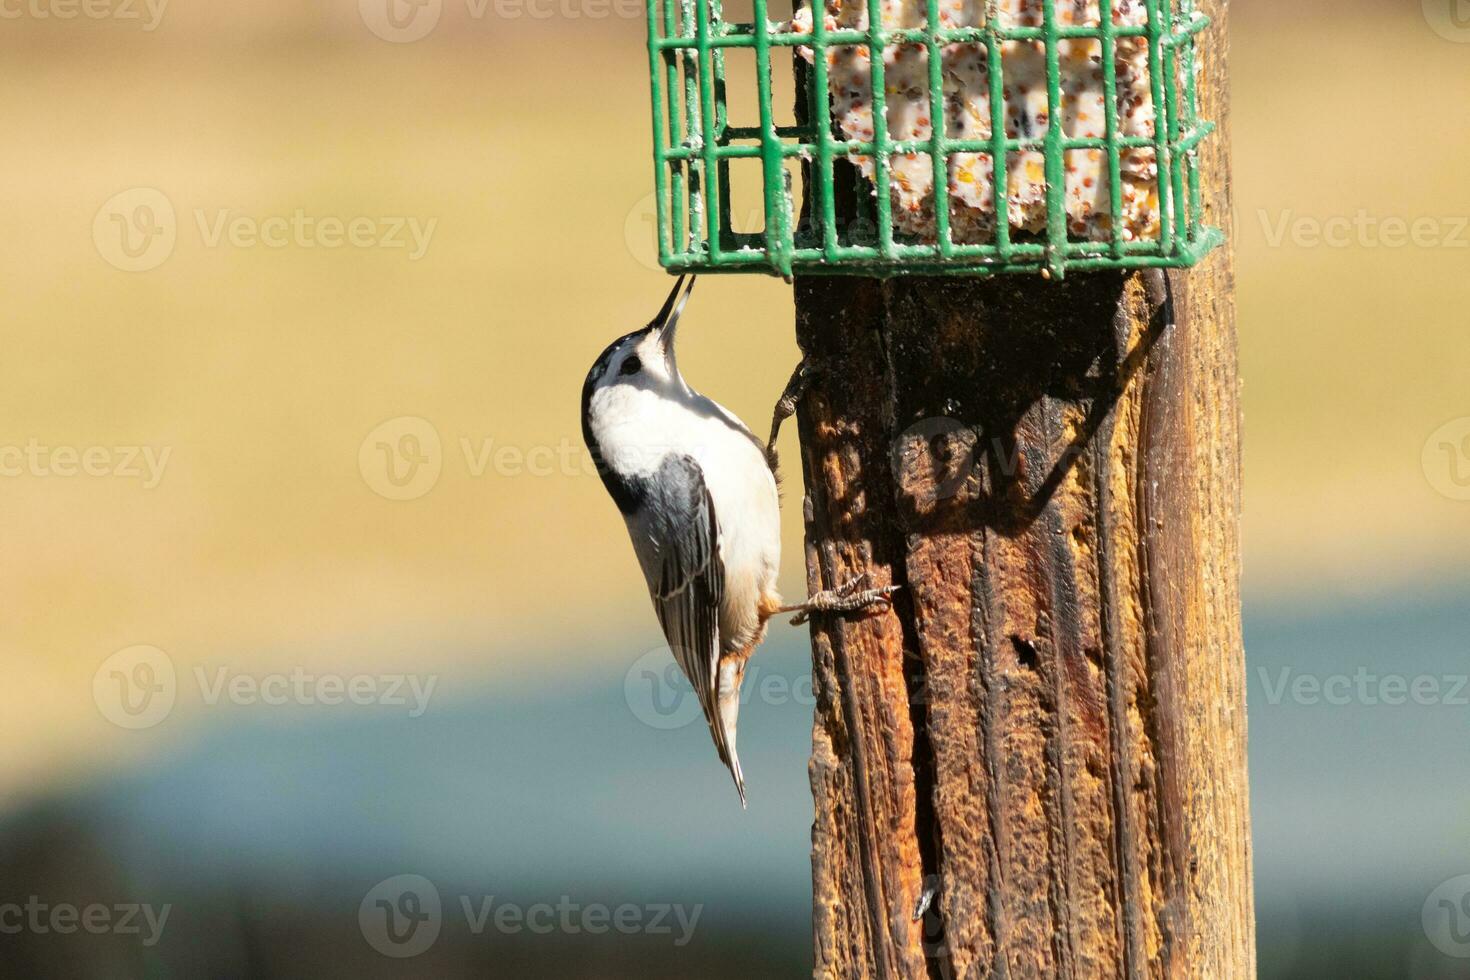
(700, 502)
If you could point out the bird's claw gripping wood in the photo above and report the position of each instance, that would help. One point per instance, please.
(850, 596)
(796, 388)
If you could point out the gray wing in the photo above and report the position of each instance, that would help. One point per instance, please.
(677, 536)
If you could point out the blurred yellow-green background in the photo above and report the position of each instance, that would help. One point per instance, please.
(261, 261)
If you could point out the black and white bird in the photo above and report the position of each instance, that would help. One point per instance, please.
(700, 501)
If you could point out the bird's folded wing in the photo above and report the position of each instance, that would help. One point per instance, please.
(677, 537)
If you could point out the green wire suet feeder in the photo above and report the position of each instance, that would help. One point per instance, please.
(1087, 134)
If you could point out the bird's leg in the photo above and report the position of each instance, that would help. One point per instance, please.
(801, 379)
(850, 596)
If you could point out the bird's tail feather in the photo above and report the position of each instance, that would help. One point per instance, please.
(722, 725)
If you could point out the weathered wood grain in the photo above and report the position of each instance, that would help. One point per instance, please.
(1050, 722)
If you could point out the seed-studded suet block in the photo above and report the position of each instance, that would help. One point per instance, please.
(936, 136)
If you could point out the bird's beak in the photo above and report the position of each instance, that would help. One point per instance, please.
(667, 320)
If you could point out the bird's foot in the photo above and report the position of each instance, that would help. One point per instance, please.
(796, 389)
(850, 596)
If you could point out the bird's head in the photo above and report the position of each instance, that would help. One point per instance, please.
(645, 358)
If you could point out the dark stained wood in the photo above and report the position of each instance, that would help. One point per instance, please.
(1049, 724)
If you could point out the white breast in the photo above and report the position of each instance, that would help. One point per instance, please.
(748, 507)
(637, 428)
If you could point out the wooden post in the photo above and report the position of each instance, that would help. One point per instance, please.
(1048, 730)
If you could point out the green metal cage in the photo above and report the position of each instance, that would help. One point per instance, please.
(841, 224)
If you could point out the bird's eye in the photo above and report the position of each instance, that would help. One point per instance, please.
(631, 366)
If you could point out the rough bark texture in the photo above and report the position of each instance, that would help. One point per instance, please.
(1050, 724)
